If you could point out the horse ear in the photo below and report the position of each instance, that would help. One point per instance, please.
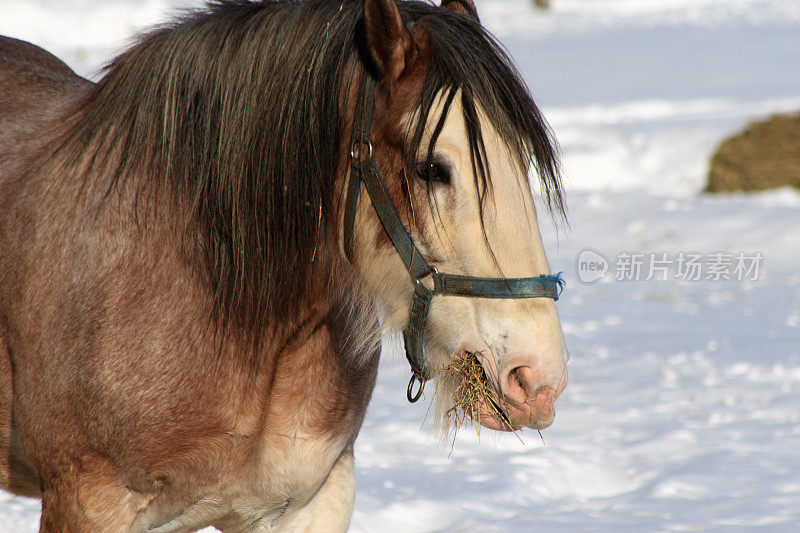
(462, 7)
(388, 40)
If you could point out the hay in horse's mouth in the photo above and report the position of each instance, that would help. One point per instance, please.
(472, 394)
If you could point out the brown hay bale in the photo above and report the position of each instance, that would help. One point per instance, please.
(766, 155)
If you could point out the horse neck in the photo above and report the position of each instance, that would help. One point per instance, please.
(317, 375)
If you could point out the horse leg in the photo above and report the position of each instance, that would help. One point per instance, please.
(327, 511)
(87, 496)
(16, 473)
(332, 506)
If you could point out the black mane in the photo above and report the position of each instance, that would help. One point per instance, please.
(236, 110)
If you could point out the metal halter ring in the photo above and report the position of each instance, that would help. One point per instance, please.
(412, 398)
(431, 273)
(353, 151)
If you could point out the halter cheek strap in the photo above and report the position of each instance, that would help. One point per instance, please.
(363, 170)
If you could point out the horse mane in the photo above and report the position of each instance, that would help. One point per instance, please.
(236, 111)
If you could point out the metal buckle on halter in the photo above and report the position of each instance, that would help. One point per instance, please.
(363, 139)
(434, 274)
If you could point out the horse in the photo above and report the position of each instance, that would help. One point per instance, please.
(200, 254)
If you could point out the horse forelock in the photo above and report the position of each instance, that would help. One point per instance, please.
(486, 78)
(235, 112)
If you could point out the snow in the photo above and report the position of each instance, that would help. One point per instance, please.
(683, 407)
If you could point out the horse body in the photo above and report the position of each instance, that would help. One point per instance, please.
(97, 331)
(184, 340)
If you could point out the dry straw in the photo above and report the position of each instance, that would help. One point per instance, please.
(471, 390)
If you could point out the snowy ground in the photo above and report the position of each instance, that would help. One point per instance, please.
(683, 409)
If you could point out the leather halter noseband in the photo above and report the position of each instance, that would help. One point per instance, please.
(364, 170)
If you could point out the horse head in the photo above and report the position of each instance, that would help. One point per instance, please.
(453, 137)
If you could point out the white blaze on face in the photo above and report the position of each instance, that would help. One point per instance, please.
(519, 341)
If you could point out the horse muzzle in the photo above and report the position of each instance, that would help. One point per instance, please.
(525, 399)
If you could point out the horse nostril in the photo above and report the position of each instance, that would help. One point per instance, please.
(520, 384)
(528, 397)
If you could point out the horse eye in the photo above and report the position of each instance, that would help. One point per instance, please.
(433, 172)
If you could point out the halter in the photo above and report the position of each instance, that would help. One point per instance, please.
(365, 171)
